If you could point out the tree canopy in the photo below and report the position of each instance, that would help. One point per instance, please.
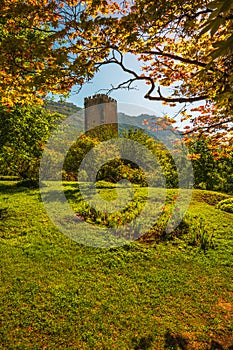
(184, 49)
(24, 130)
(35, 55)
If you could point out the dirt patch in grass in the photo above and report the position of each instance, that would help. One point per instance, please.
(226, 306)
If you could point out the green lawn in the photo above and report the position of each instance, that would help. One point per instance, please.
(58, 294)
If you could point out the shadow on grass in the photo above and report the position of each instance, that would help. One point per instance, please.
(13, 188)
(144, 343)
(174, 342)
(20, 186)
(58, 196)
(177, 342)
(70, 191)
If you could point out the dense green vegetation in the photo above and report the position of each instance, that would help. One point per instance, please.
(57, 294)
(119, 168)
(23, 133)
(211, 173)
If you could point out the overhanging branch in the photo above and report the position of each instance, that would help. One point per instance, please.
(207, 128)
(175, 57)
(137, 77)
(172, 99)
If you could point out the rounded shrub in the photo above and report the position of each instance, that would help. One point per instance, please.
(226, 205)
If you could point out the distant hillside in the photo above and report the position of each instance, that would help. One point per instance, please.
(125, 122)
(65, 108)
(136, 121)
(163, 134)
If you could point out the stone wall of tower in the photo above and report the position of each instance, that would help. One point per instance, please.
(100, 109)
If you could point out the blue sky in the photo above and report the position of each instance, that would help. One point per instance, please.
(113, 75)
(131, 102)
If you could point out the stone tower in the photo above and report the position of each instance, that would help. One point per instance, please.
(99, 110)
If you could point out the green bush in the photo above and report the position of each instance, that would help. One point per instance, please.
(199, 234)
(226, 205)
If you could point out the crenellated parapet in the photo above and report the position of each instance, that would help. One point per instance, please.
(98, 99)
(100, 109)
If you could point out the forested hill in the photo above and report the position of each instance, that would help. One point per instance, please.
(136, 121)
(125, 121)
(69, 108)
(65, 108)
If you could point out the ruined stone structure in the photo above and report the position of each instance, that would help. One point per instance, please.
(100, 110)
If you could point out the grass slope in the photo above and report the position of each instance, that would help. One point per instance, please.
(57, 294)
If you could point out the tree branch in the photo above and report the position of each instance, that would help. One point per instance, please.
(175, 57)
(125, 85)
(206, 128)
(195, 15)
(148, 96)
(172, 99)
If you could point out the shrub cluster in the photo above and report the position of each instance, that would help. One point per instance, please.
(226, 205)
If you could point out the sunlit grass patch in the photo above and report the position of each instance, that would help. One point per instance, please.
(58, 294)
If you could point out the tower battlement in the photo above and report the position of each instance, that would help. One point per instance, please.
(97, 99)
(100, 109)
